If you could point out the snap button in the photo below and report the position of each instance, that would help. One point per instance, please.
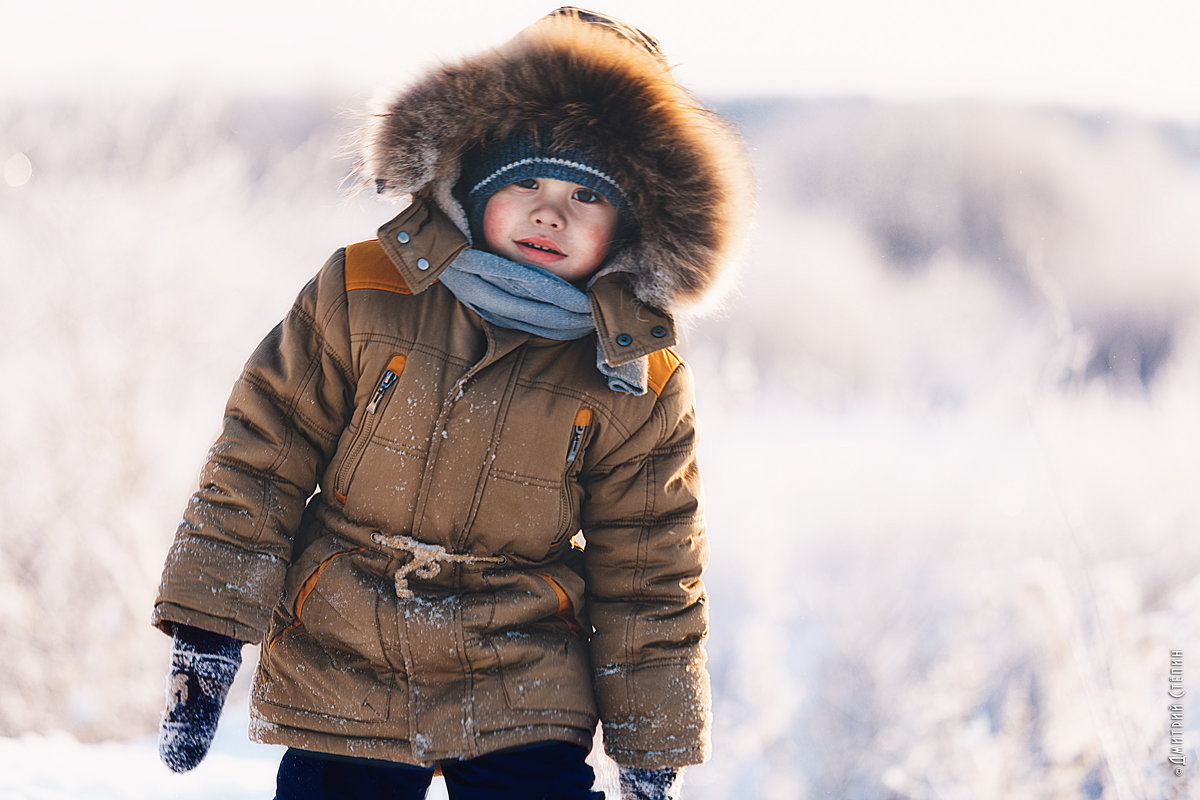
(624, 340)
(422, 263)
(402, 237)
(658, 331)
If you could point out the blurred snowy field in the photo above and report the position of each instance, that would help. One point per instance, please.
(950, 437)
(57, 766)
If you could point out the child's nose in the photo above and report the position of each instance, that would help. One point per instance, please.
(548, 214)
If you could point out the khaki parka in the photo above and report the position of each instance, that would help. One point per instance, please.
(451, 537)
(428, 603)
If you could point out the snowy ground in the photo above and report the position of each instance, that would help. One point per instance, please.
(57, 767)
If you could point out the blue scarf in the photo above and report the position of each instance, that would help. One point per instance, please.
(515, 295)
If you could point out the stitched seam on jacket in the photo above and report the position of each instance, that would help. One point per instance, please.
(516, 477)
(651, 482)
(291, 406)
(598, 405)
(282, 403)
(314, 363)
(262, 516)
(322, 342)
(671, 752)
(643, 550)
(502, 414)
(410, 346)
(627, 522)
(240, 467)
(669, 662)
(207, 541)
(682, 448)
(638, 573)
(394, 446)
(659, 414)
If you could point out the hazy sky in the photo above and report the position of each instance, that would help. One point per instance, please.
(1131, 54)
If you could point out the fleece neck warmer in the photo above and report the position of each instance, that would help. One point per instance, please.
(526, 298)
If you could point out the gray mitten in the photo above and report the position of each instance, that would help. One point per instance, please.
(202, 668)
(650, 784)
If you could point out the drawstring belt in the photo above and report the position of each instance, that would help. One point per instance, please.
(426, 560)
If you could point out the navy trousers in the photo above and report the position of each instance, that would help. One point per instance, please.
(551, 771)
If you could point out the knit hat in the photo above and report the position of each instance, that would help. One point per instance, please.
(525, 154)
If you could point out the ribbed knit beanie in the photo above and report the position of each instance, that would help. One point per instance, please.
(524, 154)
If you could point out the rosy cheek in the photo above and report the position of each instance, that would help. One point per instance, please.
(599, 248)
(495, 222)
(599, 239)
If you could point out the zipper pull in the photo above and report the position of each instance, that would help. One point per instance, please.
(576, 438)
(582, 420)
(389, 378)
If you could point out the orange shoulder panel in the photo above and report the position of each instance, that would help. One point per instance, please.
(368, 267)
(663, 364)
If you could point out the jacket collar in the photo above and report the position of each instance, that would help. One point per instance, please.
(422, 241)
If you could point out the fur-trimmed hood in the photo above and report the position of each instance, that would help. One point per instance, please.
(683, 167)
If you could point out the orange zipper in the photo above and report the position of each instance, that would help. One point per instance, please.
(583, 419)
(341, 483)
(579, 429)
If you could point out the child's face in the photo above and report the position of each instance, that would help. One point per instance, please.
(564, 228)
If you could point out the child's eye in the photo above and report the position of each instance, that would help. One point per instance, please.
(587, 196)
(526, 183)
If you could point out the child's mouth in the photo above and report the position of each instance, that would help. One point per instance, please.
(541, 248)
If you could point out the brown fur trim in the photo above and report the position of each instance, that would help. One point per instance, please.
(683, 167)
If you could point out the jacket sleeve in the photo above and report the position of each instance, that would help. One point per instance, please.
(646, 549)
(225, 570)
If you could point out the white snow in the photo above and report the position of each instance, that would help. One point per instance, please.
(59, 767)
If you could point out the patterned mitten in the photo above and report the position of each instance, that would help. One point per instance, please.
(202, 668)
(650, 784)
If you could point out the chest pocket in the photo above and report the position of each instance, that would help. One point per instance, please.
(372, 414)
(530, 504)
(572, 492)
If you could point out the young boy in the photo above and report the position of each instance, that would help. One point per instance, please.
(392, 506)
